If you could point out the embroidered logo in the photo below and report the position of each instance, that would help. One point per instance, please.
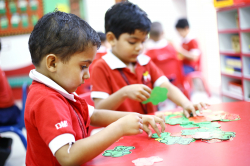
(61, 124)
(146, 77)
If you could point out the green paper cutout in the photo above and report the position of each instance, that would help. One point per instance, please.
(158, 95)
(165, 134)
(189, 125)
(176, 140)
(209, 125)
(192, 132)
(174, 121)
(118, 151)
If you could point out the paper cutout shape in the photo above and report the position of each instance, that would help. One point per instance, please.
(158, 95)
(118, 151)
(166, 138)
(147, 161)
(165, 134)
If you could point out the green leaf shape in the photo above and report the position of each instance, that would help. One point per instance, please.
(176, 140)
(158, 94)
(165, 134)
(193, 131)
(180, 120)
(118, 151)
(209, 125)
(189, 125)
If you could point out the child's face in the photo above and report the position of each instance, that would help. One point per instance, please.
(182, 32)
(71, 74)
(129, 46)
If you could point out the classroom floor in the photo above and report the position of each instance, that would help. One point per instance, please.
(17, 156)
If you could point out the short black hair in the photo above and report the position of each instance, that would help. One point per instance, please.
(156, 29)
(61, 34)
(125, 17)
(182, 23)
(102, 36)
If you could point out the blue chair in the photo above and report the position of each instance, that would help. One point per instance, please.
(17, 128)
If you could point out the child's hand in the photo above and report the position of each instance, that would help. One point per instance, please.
(190, 109)
(138, 92)
(131, 124)
(152, 120)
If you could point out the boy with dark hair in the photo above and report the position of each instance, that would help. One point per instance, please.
(62, 47)
(124, 77)
(189, 51)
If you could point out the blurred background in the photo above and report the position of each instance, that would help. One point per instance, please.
(221, 27)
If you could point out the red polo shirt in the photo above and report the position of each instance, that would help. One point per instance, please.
(190, 44)
(51, 121)
(106, 79)
(159, 52)
(6, 96)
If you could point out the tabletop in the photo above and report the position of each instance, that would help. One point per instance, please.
(227, 153)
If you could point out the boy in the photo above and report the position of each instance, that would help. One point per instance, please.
(62, 47)
(189, 51)
(158, 48)
(123, 78)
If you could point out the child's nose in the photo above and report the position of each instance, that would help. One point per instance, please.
(86, 74)
(139, 47)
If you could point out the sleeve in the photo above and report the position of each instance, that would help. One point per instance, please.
(156, 74)
(53, 121)
(194, 48)
(100, 81)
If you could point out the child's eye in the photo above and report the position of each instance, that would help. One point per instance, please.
(131, 43)
(84, 67)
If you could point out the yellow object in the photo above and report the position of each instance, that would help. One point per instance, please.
(223, 3)
(235, 43)
(63, 8)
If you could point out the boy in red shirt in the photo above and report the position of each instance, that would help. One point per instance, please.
(9, 112)
(124, 77)
(158, 48)
(189, 50)
(62, 47)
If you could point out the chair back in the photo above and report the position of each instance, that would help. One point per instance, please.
(86, 96)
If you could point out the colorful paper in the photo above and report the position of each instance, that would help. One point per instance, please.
(158, 94)
(166, 138)
(147, 161)
(118, 151)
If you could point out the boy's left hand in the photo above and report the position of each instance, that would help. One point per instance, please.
(190, 109)
(152, 120)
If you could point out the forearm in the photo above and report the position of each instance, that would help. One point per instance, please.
(175, 95)
(112, 102)
(86, 149)
(103, 118)
(188, 55)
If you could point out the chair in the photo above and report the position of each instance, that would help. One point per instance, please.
(20, 125)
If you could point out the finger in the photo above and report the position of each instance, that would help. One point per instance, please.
(146, 88)
(161, 122)
(145, 93)
(141, 97)
(162, 117)
(198, 106)
(204, 105)
(139, 115)
(140, 131)
(186, 113)
(154, 126)
(147, 130)
(193, 111)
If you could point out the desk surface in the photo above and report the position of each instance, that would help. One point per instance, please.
(229, 153)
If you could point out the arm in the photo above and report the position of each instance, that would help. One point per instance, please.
(138, 92)
(188, 55)
(180, 99)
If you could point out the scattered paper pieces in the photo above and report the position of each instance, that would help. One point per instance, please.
(147, 161)
(167, 139)
(118, 151)
(158, 94)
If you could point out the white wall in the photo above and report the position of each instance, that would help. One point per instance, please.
(15, 52)
(95, 12)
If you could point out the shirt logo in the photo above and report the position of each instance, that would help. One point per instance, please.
(146, 77)
(61, 124)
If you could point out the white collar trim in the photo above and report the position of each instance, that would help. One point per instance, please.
(50, 83)
(115, 63)
(188, 38)
(151, 44)
(102, 49)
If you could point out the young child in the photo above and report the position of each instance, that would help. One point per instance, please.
(158, 48)
(189, 50)
(9, 112)
(124, 77)
(62, 47)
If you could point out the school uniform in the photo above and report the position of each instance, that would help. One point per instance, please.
(53, 118)
(190, 44)
(160, 52)
(110, 74)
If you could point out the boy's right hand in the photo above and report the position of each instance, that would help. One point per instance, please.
(138, 92)
(130, 124)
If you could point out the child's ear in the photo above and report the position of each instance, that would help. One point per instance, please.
(51, 62)
(111, 38)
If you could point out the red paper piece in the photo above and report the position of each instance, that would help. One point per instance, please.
(147, 161)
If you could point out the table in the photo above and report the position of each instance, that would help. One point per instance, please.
(229, 153)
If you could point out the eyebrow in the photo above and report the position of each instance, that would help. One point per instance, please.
(137, 37)
(89, 61)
